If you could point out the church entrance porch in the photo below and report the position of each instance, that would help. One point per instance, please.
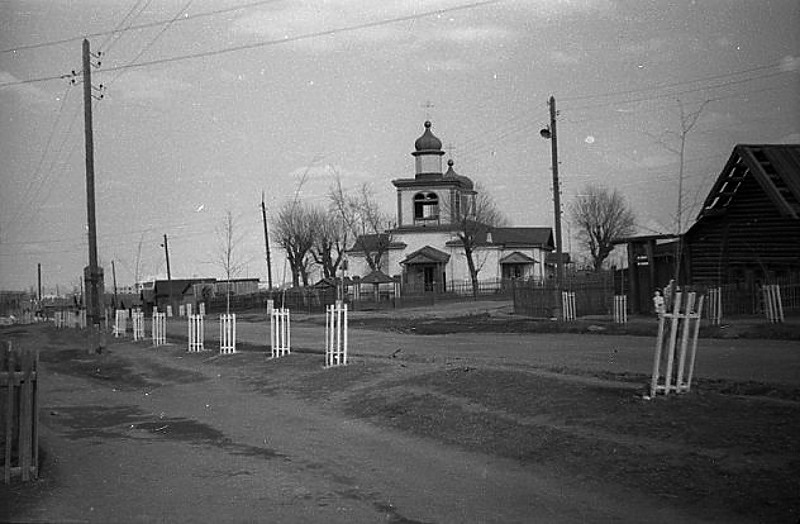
(424, 271)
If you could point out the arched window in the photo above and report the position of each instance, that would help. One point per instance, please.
(426, 206)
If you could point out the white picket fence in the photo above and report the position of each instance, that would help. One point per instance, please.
(227, 334)
(568, 305)
(621, 309)
(684, 319)
(715, 306)
(120, 322)
(280, 334)
(773, 303)
(137, 321)
(336, 335)
(196, 333)
(159, 328)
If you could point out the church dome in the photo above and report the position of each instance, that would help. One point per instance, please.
(428, 142)
(451, 173)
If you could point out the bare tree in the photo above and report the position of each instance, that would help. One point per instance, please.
(474, 217)
(600, 216)
(330, 241)
(295, 231)
(364, 221)
(227, 256)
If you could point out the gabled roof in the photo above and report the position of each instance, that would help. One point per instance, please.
(371, 243)
(552, 258)
(776, 168)
(523, 236)
(517, 258)
(510, 237)
(177, 287)
(377, 277)
(426, 255)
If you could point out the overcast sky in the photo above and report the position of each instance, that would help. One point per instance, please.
(209, 103)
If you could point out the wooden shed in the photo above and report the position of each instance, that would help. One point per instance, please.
(748, 229)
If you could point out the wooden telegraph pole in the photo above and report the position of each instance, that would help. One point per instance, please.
(550, 133)
(93, 274)
(266, 241)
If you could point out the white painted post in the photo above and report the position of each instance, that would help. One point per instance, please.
(715, 306)
(621, 309)
(196, 333)
(159, 328)
(280, 330)
(773, 304)
(227, 334)
(686, 319)
(82, 318)
(120, 323)
(568, 305)
(336, 335)
(137, 319)
(202, 309)
(188, 310)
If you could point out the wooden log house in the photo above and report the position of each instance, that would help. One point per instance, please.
(747, 232)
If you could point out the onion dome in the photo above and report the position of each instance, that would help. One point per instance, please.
(464, 181)
(428, 143)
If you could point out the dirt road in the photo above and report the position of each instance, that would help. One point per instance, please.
(143, 434)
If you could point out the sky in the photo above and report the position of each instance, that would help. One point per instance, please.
(207, 104)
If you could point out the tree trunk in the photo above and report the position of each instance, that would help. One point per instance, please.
(473, 272)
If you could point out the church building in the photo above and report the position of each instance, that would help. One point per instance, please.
(424, 250)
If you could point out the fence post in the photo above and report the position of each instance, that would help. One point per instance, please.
(715, 306)
(120, 323)
(196, 333)
(684, 318)
(280, 323)
(568, 305)
(773, 305)
(137, 321)
(336, 335)
(621, 309)
(227, 334)
(159, 328)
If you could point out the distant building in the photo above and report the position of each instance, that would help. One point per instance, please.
(424, 252)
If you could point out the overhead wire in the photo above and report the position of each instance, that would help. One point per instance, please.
(135, 27)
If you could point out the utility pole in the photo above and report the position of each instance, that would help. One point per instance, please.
(169, 273)
(166, 254)
(93, 274)
(114, 277)
(550, 133)
(39, 280)
(266, 241)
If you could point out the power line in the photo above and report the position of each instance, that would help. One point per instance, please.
(665, 86)
(286, 40)
(134, 27)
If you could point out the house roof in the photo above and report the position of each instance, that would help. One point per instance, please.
(552, 258)
(177, 287)
(426, 255)
(776, 168)
(377, 277)
(517, 258)
(523, 236)
(510, 237)
(372, 242)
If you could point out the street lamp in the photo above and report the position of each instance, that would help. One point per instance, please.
(549, 133)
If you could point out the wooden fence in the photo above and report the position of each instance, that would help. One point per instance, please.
(19, 412)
